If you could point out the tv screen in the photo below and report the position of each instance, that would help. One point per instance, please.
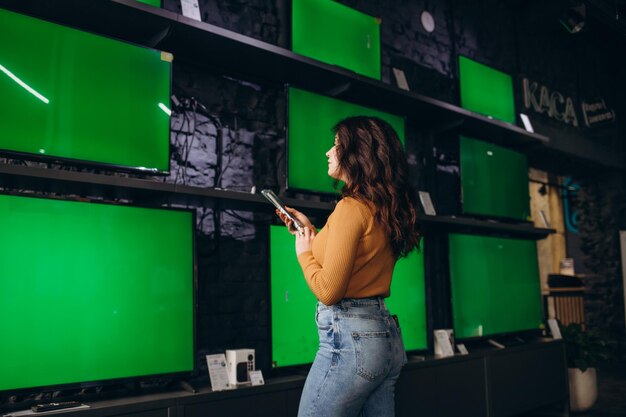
(336, 34)
(494, 180)
(294, 333)
(486, 90)
(311, 118)
(155, 3)
(76, 97)
(93, 292)
(494, 284)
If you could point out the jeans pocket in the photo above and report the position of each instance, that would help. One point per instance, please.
(372, 350)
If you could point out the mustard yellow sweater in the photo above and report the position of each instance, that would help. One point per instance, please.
(351, 256)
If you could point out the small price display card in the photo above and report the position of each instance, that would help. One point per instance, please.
(256, 377)
(191, 9)
(218, 372)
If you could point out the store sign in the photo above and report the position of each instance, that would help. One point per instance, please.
(596, 113)
(555, 105)
(551, 103)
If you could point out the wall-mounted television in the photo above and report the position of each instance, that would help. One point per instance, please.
(75, 97)
(336, 34)
(155, 3)
(486, 90)
(494, 180)
(294, 333)
(311, 118)
(93, 292)
(494, 285)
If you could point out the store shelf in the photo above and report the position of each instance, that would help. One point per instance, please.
(455, 224)
(151, 191)
(241, 56)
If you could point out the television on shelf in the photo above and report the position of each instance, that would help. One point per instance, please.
(311, 118)
(294, 333)
(73, 97)
(486, 90)
(155, 3)
(92, 293)
(336, 34)
(494, 180)
(494, 285)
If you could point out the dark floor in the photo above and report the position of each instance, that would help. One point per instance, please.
(611, 394)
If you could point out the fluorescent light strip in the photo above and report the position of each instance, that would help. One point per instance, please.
(23, 84)
(165, 109)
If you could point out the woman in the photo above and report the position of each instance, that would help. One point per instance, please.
(348, 266)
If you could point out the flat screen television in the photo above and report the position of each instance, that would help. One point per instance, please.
(294, 333)
(311, 118)
(75, 97)
(486, 90)
(336, 34)
(155, 3)
(494, 180)
(494, 285)
(93, 292)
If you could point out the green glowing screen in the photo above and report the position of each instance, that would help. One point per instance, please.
(311, 119)
(494, 180)
(486, 91)
(92, 292)
(495, 285)
(155, 3)
(294, 333)
(72, 95)
(336, 34)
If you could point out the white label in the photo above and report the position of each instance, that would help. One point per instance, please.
(191, 9)
(218, 372)
(400, 79)
(256, 377)
(443, 343)
(462, 349)
(427, 203)
(527, 125)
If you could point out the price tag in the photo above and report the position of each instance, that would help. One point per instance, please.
(256, 377)
(191, 9)
(218, 372)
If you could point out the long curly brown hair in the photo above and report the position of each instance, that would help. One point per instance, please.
(371, 157)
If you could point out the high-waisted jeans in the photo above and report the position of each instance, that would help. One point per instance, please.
(358, 362)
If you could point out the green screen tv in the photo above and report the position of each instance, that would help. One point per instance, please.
(336, 34)
(495, 286)
(74, 97)
(494, 180)
(155, 3)
(311, 118)
(294, 333)
(93, 292)
(486, 90)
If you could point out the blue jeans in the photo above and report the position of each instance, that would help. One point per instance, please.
(358, 362)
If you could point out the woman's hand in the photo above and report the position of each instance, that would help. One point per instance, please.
(304, 220)
(304, 240)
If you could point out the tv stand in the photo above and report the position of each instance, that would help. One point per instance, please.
(187, 386)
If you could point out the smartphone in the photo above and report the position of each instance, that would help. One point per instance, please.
(273, 198)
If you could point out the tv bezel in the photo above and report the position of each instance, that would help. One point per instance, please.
(325, 194)
(289, 369)
(379, 78)
(459, 98)
(102, 382)
(87, 164)
(504, 219)
(486, 336)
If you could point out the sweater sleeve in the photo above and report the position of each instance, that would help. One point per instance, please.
(330, 281)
